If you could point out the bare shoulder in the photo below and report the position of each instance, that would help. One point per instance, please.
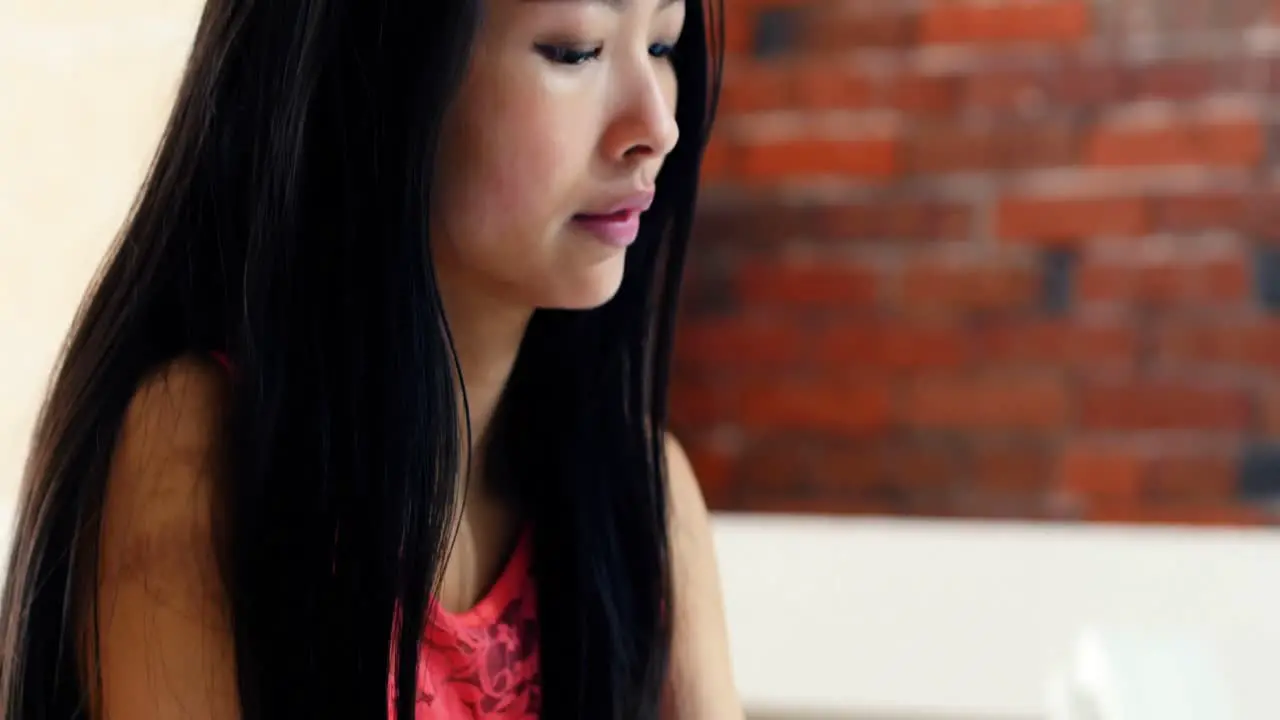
(160, 485)
(701, 685)
(174, 415)
(161, 622)
(689, 508)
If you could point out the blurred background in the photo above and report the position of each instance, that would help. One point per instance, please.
(979, 361)
(994, 259)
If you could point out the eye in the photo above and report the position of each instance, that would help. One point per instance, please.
(568, 54)
(662, 51)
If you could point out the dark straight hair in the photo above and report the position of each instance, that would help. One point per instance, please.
(285, 222)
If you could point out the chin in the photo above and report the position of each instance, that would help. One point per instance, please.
(589, 291)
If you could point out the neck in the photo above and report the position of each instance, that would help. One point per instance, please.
(486, 336)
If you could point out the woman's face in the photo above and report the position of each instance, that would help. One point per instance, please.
(552, 149)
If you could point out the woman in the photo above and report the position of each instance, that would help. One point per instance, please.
(367, 409)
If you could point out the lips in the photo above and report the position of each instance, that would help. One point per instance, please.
(617, 229)
(617, 223)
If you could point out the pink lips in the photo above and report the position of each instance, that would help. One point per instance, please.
(619, 223)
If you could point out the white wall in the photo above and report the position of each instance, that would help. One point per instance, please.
(84, 86)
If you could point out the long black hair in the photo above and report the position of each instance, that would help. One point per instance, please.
(285, 222)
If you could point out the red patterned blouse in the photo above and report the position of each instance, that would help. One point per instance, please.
(483, 664)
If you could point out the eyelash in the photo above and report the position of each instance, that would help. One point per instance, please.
(570, 55)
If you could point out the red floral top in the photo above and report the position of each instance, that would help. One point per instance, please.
(483, 664)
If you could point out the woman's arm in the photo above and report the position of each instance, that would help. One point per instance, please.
(166, 647)
(701, 685)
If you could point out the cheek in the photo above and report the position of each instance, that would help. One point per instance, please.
(670, 90)
(519, 173)
(509, 173)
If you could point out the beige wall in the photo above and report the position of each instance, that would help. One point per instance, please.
(84, 89)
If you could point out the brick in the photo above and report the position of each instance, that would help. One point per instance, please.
(1173, 80)
(695, 403)
(894, 219)
(776, 468)
(767, 222)
(1155, 17)
(1023, 468)
(761, 5)
(1010, 402)
(932, 286)
(1250, 344)
(763, 223)
(911, 476)
(829, 285)
(1165, 281)
(718, 162)
(925, 94)
(1231, 143)
(1189, 213)
(879, 466)
(1045, 145)
(943, 504)
(914, 390)
(824, 85)
(834, 406)
(1006, 505)
(792, 503)
(1268, 400)
(770, 86)
(1263, 218)
(706, 290)
(1243, 14)
(1216, 515)
(1155, 405)
(831, 32)
(1058, 343)
(1005, 89)
(739, 31)
(1091, 473)
(754, 87)
(1261, 69)
(945, 148)
(1129, 147)
(892, 346)
(1200, 479)
(1086, 85)
(867, 159)
(1236, 143)
(911, 465)
(1244, 74)
(740, 342)
(1050, 21)
(1053, 220)
(851, 465)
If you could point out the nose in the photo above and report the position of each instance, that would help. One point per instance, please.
(644, 129)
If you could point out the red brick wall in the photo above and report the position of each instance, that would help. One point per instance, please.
(1007, 258)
